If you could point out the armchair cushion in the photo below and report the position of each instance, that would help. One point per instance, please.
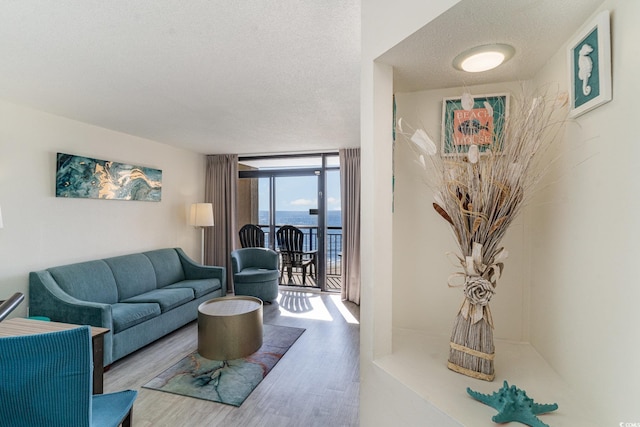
(109, 407)
(255, 274)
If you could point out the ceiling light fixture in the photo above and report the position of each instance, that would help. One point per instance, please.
(483, 58)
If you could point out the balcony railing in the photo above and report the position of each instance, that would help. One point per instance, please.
(310, 243)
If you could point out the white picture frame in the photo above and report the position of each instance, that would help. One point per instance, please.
(589, 61)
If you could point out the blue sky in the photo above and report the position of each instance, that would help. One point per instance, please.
(299, 193)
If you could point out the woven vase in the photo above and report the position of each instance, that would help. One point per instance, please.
(471, 349)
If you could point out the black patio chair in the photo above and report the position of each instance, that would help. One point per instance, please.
(290, 245)
(251, 236)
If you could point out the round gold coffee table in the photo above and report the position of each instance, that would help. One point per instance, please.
(229, 327)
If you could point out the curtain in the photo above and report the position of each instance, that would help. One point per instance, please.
(220, 189)
(350, 194)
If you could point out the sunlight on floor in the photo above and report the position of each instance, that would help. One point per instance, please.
(348, 317)
(303, 305)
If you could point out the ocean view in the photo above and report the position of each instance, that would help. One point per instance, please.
(297, 218)
(307, 223)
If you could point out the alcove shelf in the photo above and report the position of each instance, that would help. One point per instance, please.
(419, 362)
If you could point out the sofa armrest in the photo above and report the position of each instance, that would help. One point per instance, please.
(194, 271)
(46, 298)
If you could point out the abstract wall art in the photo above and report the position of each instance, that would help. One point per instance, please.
(84, 177)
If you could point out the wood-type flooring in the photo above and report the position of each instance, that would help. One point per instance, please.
(315, 384)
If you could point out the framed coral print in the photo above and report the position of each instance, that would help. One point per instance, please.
(469, 120)
(589, 55)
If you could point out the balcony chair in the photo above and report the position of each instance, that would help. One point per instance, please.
(47, 381)
(251, 236)
(255, 273)
(290, 244)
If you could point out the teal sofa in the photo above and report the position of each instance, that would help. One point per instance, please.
(139, 297)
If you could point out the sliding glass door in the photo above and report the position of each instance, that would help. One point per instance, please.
(307, 197)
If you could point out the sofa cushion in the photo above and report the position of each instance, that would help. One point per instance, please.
(167, 266)
(200, 287)
(126, 315)
(166, 298)
(134, 275)
(254, 274)
(87, 281)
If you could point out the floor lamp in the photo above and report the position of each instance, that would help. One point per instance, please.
(201, 216)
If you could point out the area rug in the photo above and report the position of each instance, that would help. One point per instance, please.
(228, 382)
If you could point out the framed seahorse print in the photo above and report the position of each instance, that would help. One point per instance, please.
(589, 60)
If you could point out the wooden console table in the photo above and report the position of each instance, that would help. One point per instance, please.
(18, 326)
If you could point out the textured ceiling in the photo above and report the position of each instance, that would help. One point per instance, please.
(535, 28)
(212, 76)
(248, 77)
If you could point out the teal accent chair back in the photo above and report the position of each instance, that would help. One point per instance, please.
(255, 273)
(46, 380)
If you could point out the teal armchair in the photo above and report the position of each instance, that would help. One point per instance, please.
(255, 273)
(46, 380)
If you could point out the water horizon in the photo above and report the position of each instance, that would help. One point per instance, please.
(304, 220)
(301, 218)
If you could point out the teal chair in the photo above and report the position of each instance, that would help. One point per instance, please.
(46, 380)
(255, 273)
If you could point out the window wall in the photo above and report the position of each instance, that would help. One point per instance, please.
(303, 191)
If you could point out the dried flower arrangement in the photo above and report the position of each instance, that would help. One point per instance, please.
(479, 194)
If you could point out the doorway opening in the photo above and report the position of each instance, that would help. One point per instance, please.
(302, 191)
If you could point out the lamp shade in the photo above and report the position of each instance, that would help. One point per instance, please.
(201, 215)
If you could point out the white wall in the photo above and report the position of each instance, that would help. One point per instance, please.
(384, 24)
(585, 245)
(572, 290)
(42, 231)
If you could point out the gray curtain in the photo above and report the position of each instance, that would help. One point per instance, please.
(220, 189)
(350, 193)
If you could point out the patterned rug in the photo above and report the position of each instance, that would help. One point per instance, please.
(231, 382)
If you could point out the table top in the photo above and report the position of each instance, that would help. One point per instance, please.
(19, 326)
(230, 306)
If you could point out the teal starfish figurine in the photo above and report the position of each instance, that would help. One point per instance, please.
(513, 404)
